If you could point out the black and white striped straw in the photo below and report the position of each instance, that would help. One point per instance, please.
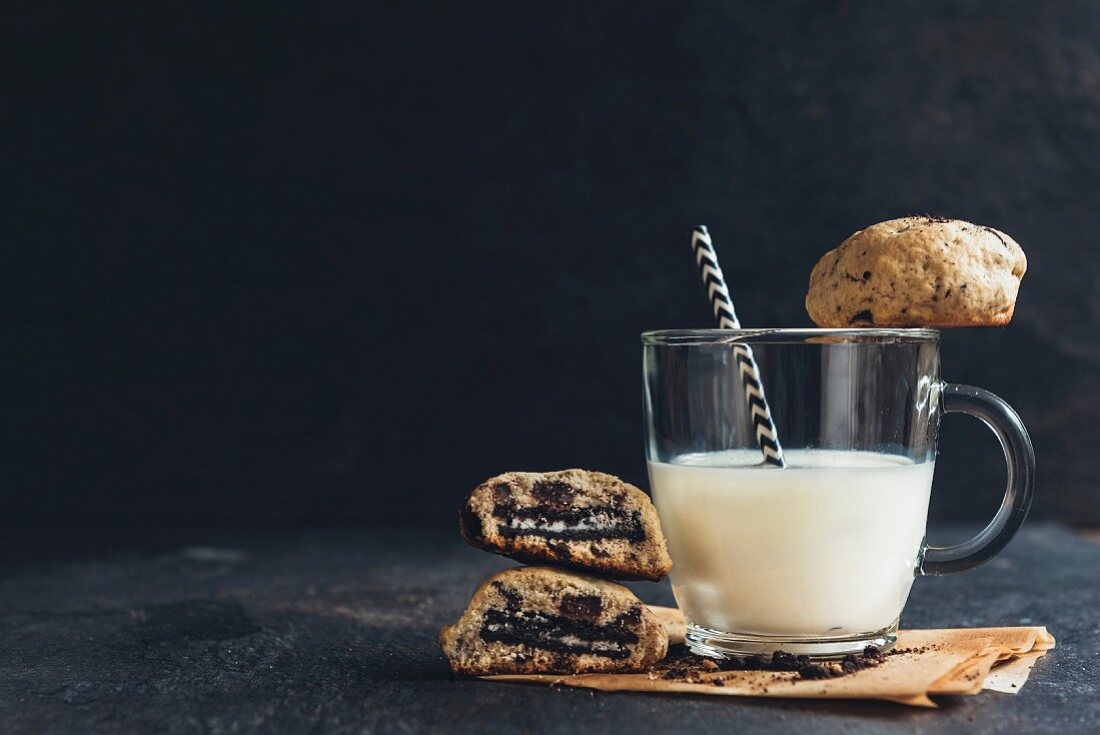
(720, 300)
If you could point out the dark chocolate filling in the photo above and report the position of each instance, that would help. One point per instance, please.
(583, 607)
(469, 523)
(555, 633)
(863, 317)
(570, 524)
(512, 599)
(554, 494)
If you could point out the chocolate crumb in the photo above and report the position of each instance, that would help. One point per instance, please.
(682, 665)
(815, 671)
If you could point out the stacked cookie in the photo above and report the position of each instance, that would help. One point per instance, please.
(560, 616)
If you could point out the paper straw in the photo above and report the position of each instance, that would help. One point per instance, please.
(719, 295)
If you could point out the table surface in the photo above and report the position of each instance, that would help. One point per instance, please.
(335, 631)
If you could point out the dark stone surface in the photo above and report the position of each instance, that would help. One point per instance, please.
(225, 632)
(408, 245)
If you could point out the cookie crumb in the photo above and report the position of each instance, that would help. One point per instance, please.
(684, 666)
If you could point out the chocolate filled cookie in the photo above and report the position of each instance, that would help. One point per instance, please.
(539, 620)
(574, 517)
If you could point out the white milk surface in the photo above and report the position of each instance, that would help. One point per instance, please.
(824, 547)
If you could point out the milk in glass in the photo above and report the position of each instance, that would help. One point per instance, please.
(824, 547)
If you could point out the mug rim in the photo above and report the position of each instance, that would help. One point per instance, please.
(780, 335)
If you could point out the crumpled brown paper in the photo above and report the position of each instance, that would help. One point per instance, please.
(931, 662)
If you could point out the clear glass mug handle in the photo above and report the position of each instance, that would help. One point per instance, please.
(1020, 456)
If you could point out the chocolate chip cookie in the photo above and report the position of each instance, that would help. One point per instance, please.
(918, 272)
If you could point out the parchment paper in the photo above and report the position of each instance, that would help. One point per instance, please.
(959, 661)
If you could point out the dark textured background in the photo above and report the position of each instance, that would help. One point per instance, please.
(338, 263)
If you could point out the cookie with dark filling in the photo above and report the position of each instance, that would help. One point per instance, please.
(540, 620)
(582, 519)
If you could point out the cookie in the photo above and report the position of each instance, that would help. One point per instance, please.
(540, 620)
(918, 272)
(577, 518)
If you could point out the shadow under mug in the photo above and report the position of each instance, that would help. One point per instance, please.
(816, 557)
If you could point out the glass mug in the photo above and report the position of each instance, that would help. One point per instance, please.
(817, 557)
